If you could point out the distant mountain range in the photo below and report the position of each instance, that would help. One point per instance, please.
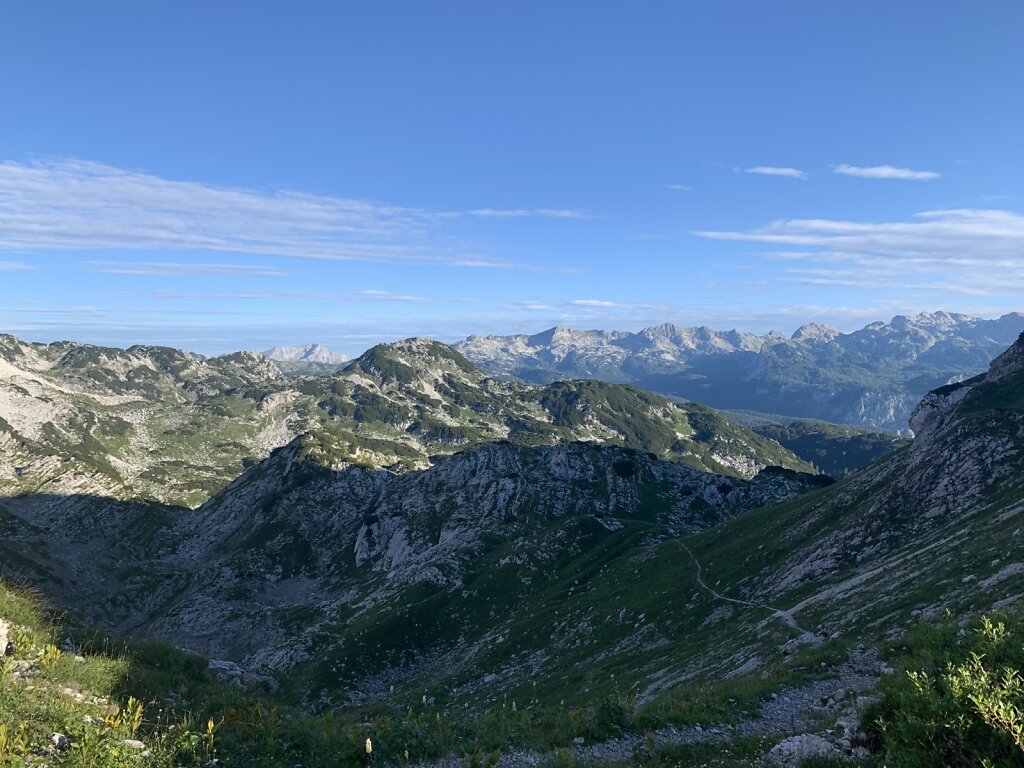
(310, 353)
(872, 377)
(308, 360)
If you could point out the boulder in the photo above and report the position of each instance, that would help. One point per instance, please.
(791, 752)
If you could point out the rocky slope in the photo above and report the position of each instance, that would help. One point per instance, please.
(871, 377)
(930, 528)
(313, 567)
(368, 579)
(162, 424)
(146, 421)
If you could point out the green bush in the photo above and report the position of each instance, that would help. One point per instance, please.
(959, 700)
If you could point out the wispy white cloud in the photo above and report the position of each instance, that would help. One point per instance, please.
(79, 205)
(679, 187)
(771, 170)
(959, 251)
(14, 266)
(178, 269)
(594, 303)
(481, 264)
(369, 295)
(389, 296)
(884, 172)
(965, 233)
(520, 213)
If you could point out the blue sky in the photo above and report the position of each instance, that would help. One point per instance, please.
(233, 175)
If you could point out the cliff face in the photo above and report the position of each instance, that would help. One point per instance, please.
(342, 544)
(1009, 363)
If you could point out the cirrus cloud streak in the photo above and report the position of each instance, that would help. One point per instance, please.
(60, 205)
(964, 251)
(885, 172)
(772, 170)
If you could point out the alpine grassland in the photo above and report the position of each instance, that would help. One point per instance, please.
(70, 696)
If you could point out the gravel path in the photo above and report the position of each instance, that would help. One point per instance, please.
(779, 613)
(791, 710)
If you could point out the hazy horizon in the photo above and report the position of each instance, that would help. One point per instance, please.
(238, 175)
(353, 350)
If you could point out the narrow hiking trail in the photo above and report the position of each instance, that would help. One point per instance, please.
(778, 613)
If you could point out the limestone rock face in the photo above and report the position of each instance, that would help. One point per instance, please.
(303, 535)
(914, 516)
(1011, 361)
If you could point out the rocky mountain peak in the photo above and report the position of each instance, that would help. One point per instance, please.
(815, 332)
(560, 336)
(430, 352)
(411, 360)
(550, 336)
(1011, 361)
(11, 349)
(308, 353)
(939, 407)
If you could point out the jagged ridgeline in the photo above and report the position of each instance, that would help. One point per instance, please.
(872, 377)
(158, 423)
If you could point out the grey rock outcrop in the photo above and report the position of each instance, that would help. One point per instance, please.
(5, 639)
(790, 752)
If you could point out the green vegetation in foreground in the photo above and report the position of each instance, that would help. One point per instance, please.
(738, 753)
(131, 704)
(957, 698)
